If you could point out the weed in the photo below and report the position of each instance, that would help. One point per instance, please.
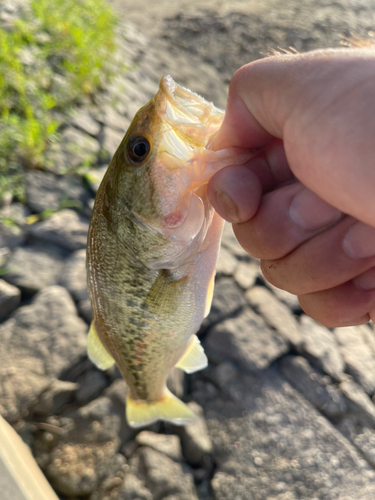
(49, 59)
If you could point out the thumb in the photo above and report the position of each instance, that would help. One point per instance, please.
(322, 105)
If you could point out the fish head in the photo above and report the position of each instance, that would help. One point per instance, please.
(156, 182)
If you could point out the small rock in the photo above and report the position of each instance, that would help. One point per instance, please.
(39, 342)
(265, 433)
(95, 177)
(117, 392)
(113, 120)
(227, 300)
(134, 91)
(16, 213)
(84, 121)
(4, 255)
(132, 109)
(86, 455)
(134, 489)
(368, 335)
(20, 388)
(91, 384)
(10, 297)
(55, 397)
(74, 149)
(47, 332)
(12, 230)
(195, 440)
(33, 267)
(229, 241)
(85, 310)
(110, 140)
(289, 299)
(363, 438)
(359, 359)
(79, 469)
(276, 314)
(162, 475)
(175, 382)
(358, 401)
(246, 274)
(247, 340)
(73, 275)
(66, 228)
(111, 487)
(320, 346)
(47, 191)
(315, 387)
(223, 374)
(226, 263)
(78, 145)
(129, 448)
(167, 444)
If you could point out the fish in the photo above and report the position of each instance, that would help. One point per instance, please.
(153, 244)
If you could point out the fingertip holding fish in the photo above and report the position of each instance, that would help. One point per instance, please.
(153, 244)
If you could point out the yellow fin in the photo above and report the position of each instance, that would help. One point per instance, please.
(96, 350)
(210, 294)
(194, 358)
(165, 293)
(170, 409)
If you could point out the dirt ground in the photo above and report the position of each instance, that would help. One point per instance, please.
(229, 34)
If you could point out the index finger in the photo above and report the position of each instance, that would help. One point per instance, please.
(321, 104)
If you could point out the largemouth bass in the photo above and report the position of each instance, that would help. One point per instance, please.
(152, 249)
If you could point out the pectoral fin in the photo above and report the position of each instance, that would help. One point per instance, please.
(165, 293)
(170, 408)
(194, 358)
(96, 350)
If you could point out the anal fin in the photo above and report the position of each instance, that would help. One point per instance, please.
(194, 358)
(170, 409)
(96, 350)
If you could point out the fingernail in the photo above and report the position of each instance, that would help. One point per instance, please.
(359, 241)
(310, 212)
(227, 205)
(366, 280)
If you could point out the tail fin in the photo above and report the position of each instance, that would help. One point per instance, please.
(170, 409)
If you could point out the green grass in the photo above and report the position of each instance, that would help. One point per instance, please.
(49, 60)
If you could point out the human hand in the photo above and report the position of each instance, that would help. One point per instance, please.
(305, 204)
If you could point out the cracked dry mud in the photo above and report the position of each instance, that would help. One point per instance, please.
(286, 405)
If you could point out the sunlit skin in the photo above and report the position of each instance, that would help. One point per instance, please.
(305, 204)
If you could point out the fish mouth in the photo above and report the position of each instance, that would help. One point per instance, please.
(192, 118)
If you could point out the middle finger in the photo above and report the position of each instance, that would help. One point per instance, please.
(320, 263)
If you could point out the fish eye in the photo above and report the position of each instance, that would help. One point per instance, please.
(138, 148)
